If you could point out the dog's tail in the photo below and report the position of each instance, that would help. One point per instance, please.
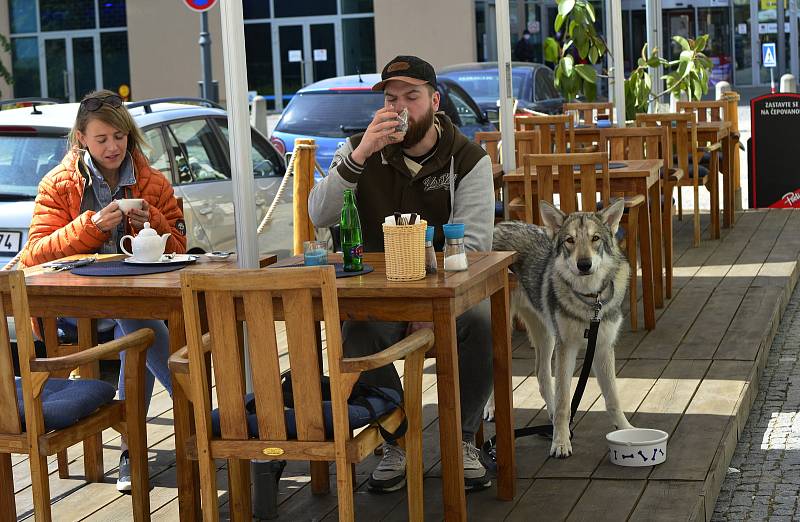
(521, 237)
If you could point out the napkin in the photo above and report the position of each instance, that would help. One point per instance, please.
(389, 220)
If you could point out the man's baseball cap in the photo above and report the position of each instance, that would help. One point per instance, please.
(409, 69)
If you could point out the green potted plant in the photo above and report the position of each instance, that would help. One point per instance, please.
(577, 18)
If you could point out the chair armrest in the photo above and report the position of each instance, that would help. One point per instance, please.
(634, 201)
(421, 339)
(675, 174)
(711, 148)
(138, 340)
(179, 361)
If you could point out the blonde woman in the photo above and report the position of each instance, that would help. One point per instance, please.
(76, 212)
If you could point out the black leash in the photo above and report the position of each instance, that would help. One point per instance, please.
(489, 448)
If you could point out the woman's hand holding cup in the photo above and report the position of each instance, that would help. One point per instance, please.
(137, 217)
(108, 217)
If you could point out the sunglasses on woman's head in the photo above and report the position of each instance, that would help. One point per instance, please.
(93, 104)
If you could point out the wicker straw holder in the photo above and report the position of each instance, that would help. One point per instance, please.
(404, 247)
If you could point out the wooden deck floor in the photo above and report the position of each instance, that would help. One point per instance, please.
(695, 376)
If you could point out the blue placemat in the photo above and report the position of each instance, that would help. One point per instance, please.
(121, 268)
(339, 267)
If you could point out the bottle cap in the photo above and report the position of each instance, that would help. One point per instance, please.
(453, 230)
(429, 234)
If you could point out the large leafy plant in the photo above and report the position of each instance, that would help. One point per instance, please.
(689, 75)
(577, 18)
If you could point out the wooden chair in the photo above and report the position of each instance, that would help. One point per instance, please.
(631, 144)
(260, 295)
(683, 144)
(85, 406)
(705, 110)
(556, 133)
(587, 113)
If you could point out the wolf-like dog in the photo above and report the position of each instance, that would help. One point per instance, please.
(562, 268)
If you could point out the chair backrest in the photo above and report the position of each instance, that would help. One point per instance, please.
(257, 296)
(527, 142)
(681, 138)
(577, 174)
(586, 113)
(633, 143)
(705, 110)
(12, 290)
(555, 132)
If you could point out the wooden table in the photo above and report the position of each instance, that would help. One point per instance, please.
(156, 296)
(637, 177)
(440, 299)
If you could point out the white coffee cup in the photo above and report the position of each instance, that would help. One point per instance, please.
(126, 205)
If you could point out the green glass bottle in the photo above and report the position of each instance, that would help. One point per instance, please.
(350, 234)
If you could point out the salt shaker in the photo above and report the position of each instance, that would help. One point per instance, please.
(430, 253)
(455, 255)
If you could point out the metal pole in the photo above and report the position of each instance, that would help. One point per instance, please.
(239, 129)
(793, 44)
(781, 42)
(654, 41)
(618, 53)
(205, 57)
(506, 90)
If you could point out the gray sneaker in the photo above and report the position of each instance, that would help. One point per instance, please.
(124, 480)
(390, 475)
(475, 475)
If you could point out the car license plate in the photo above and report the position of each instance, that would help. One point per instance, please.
(9, 241)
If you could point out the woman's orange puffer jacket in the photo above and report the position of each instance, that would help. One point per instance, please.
(58, 229)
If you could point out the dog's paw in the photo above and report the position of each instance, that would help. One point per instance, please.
(561, 448)
(488, 410)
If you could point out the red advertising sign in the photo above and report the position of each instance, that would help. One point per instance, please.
(200, 5)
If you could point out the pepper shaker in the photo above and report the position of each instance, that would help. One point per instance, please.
(430, 253)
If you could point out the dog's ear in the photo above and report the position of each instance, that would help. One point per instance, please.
(612, 214)
(552, 217)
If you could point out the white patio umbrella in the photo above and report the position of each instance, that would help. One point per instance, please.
(233, 52)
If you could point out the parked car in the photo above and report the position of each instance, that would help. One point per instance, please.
(329, 111)
(187, 143)
(532, 84)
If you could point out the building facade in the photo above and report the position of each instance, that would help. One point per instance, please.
(149, 48)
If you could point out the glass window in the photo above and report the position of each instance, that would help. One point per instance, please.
(356, 6)
(545, 86)
(358, 36)
(266, 163)
(83, 64)
(330, 114)
(258, 49)
(114, 55)
(25, 67)
(483, 85)
(112, 13)
(58, 15)
(300, 8)
(255, 9)
(202, 158)
(466, 113)
(23, 16)
(24, 160)
(156, 152)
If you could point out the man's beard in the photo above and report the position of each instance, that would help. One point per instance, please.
(417, 129)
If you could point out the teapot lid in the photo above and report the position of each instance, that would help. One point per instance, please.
(147, 231)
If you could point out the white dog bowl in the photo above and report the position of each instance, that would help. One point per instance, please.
(637, 447)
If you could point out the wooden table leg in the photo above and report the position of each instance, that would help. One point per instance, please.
(658, 242)
(188, 474)
(93, 445)
(646, 254)
(666, 231)
(447, 384)
(714, 189)
(503, 393)
(8, 509)
(727, 180)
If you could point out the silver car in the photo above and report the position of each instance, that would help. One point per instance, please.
(187, 143)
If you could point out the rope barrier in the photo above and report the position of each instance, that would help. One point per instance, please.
(279, 193)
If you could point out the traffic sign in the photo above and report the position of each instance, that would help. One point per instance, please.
(199, 5)
(768, 55)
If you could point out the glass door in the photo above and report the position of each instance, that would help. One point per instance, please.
(307, 53)
(677, 22)
(70, 69)
(716, 23)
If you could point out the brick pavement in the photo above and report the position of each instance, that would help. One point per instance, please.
(763, 481)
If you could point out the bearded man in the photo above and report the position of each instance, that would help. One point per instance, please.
(436, 172)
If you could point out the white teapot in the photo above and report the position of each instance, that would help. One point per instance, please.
(148, 246)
